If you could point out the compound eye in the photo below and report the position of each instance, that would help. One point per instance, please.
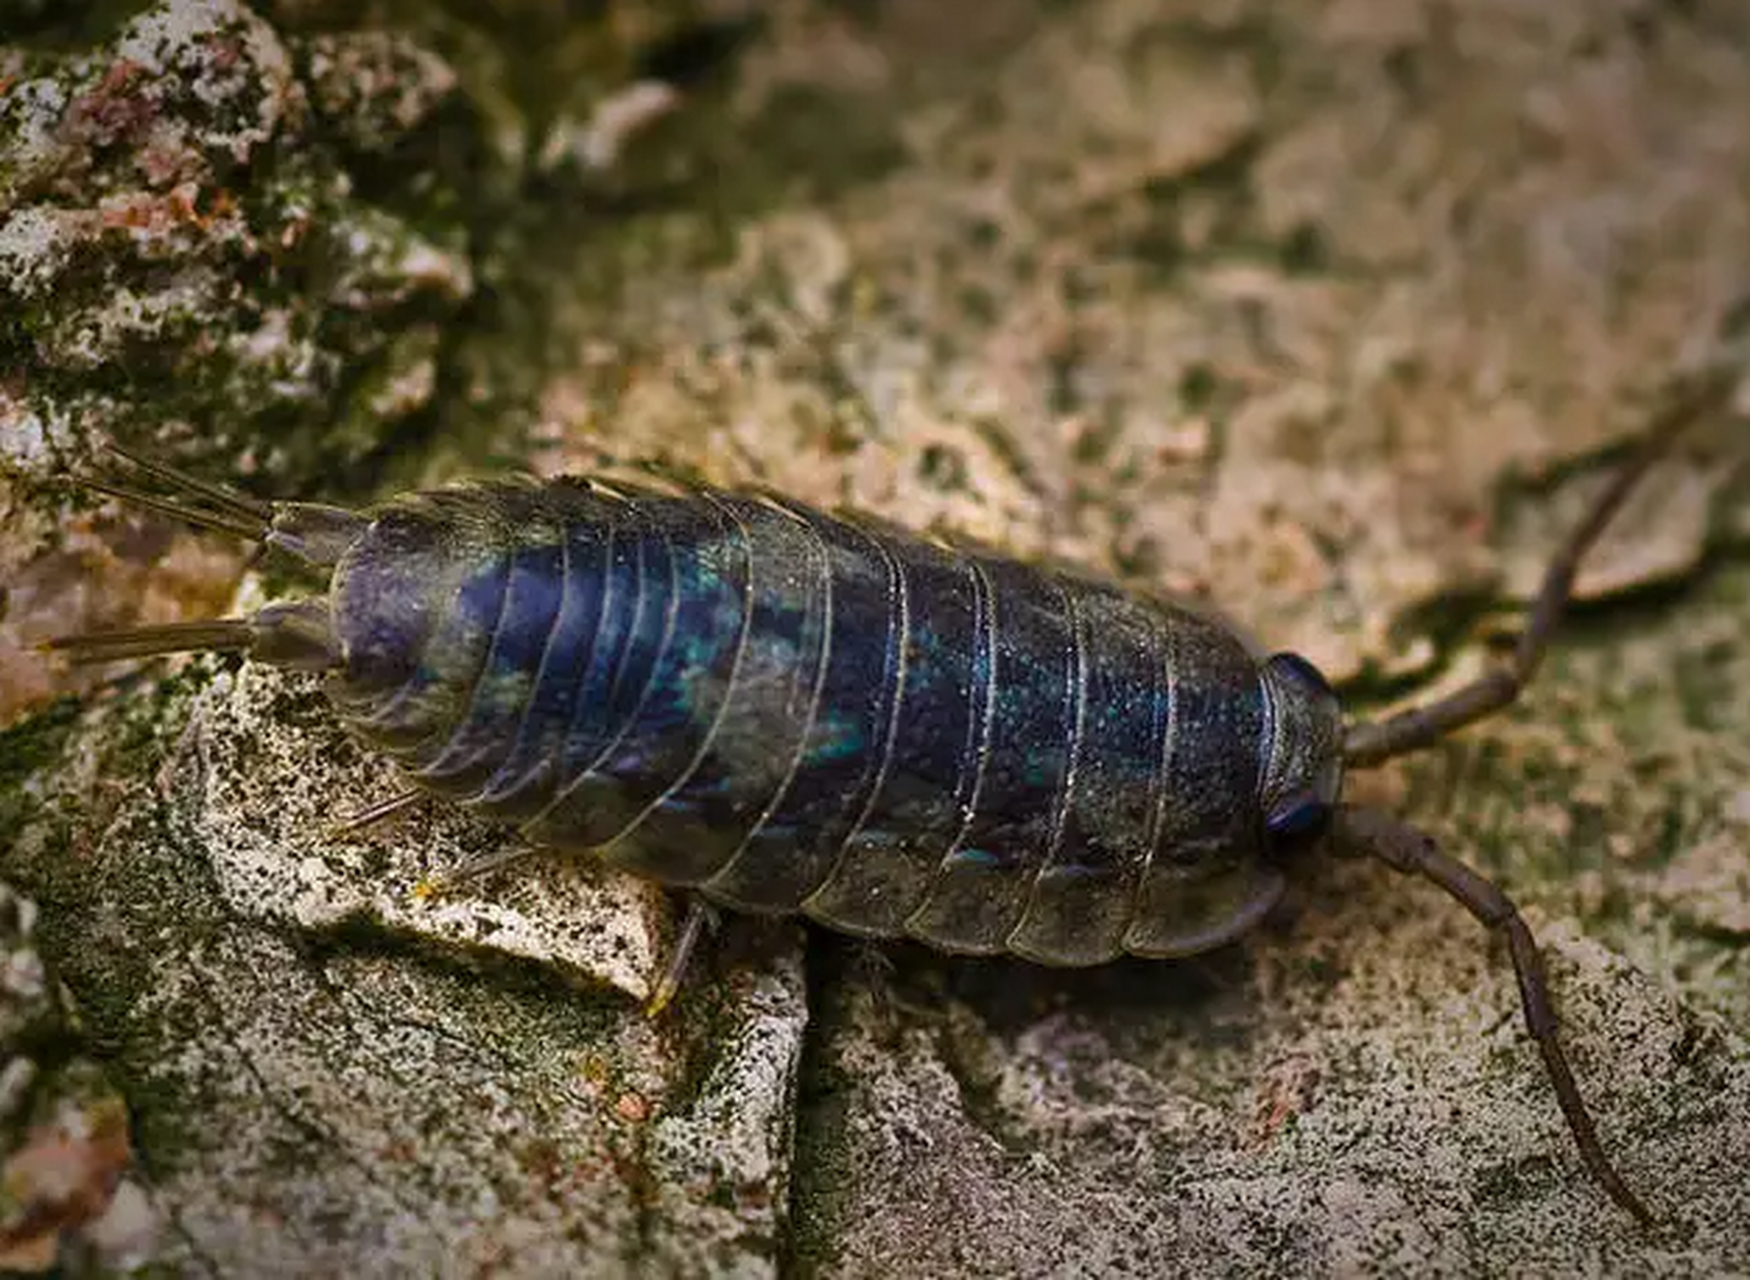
(1298, 668)
(1303, 815)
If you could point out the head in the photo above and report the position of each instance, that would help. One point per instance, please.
(1303, 752)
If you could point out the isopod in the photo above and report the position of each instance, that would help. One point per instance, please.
(786, 711)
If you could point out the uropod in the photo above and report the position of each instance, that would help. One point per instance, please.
(785, 711)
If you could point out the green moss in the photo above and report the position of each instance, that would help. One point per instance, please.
(32, 746)
(822, 1166)
(65, 24)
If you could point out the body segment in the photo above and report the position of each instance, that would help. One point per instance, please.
(791, 712)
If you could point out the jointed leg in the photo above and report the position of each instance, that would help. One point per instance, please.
(1411, 851)
(374, 815)
(700, 917)
(474, 867)
(1370, 743)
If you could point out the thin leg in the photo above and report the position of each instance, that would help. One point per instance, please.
(1414, 853)
(701, 916)
(375, 814)
(1371, 743)
(480, 864)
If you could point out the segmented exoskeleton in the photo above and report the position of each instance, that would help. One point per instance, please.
(787, 711)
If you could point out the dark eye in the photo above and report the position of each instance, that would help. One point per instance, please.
(1302, 815)
(1298, 668)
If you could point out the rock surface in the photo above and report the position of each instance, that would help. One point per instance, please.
(1333, 312)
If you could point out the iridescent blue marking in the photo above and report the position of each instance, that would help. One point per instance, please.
(685, 664)
(480, 742)
(623, 589)
(889, 860)
(661, 591)
(524, 783)
(689, 677)
(982, 859)
(690, 831)
(973, 905)
(414, 723)
(794, 850)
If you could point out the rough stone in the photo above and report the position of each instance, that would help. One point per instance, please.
(1335, 314)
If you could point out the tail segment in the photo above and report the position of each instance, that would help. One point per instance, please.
(292, 633)
(316, 534)
(216, 634)
(197, 501)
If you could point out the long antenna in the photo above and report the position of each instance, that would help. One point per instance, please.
(149, 642)
(199, 502)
